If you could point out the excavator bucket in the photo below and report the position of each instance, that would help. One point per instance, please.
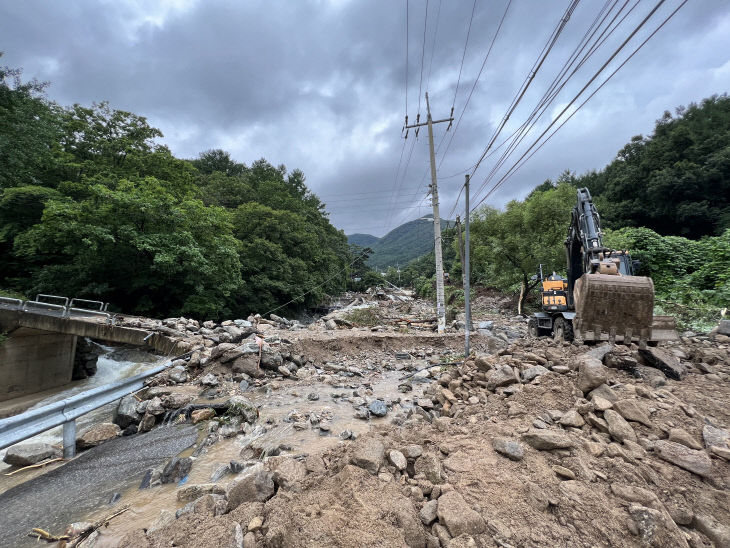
(613, 308)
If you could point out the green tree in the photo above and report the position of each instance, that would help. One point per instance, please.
(507, 246)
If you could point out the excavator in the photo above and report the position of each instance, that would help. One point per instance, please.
(601, 299)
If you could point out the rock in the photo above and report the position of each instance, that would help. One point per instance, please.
(564, 472)
(501, 376)
(154, 406)
(708, 526)
(126, 412)
(723, 328)
(312, 396)
(428, 513)
(632, 493)
(604, 392)
(330, 325)
(678, 435)
(176, 469)
(256, 486)
(368, 454)
(378, 408)
(456, 515)
(178, 374)
(97, 434)
(546, 440)
(202, 415)
(249, 540)
(241, 407)
(397, 459)
(429, 465)
(656, 528)
(601, 404)
(147, 423)
(714, 436)
(619, 429)
(412, 451)
(484, 362)
(572, 418)
(176, 400)
(248, 364)
(221, 349)
(664, 361)
(193, 492)
(620, 360)
(210, 380)
(29, 453)
(632, 410)
(533, 372)
(287, 472)
(508, 448)
(591, 373)
(696, 462)
(271, 360)
(207, 505)
(722, 452)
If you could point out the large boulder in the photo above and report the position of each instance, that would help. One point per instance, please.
(176, 469)
(368, 453)
(458, 517)
(664, 361)
(696, 462)
(240, 406)
(591, 373)
(29, 453)
(97, 434)
(126, 412)
(619, 429)
(248, 364)
(547, 440)
(632, 410)
(256, 486)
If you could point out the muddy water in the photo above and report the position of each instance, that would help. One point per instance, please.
(114, 365)
(276, 401)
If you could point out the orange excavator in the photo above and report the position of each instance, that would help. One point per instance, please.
(600, 299)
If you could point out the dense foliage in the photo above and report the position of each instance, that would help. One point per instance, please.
(676, 181)
(92, 206)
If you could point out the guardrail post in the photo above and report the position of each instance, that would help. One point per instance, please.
(69, 439)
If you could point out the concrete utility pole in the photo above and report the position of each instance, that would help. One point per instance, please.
(467, 273)
(440, 307)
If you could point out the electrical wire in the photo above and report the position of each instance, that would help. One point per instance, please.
(463, 55)
(433, 45)
(524, 158)
(423, 53)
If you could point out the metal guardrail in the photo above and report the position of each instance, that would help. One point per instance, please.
(41, 306)
(65, 412)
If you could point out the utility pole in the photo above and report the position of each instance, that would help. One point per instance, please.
(461, 248)
(467, 273)
(440, 307)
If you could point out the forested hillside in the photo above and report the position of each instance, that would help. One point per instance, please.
(91, 205)
(676, 181)
(401, 245)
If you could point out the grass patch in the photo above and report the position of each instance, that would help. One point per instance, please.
(363, 317)
(12, 294)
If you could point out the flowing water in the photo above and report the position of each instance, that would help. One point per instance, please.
(113, 365)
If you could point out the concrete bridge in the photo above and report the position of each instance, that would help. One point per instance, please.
(40, 342)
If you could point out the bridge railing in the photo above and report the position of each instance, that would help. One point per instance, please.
(56, 305)
(65, 412)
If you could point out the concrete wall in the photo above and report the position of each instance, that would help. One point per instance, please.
(32, 360)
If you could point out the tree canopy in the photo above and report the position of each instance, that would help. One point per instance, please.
(93, 205)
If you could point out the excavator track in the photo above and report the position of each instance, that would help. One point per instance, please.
(613, 308)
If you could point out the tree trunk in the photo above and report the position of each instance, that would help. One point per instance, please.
(523, 293)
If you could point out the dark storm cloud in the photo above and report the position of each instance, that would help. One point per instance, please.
(320, 85)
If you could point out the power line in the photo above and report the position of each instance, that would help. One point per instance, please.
(407, 17)
(524, 158)
(433, 45)
(476, 81)
(463, 55)
(423, 53)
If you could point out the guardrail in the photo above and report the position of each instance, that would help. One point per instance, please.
(65, 412)
(41, 306)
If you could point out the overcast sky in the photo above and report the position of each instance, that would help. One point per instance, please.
(320, 85)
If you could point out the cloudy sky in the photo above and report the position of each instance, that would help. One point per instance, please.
(322, 85)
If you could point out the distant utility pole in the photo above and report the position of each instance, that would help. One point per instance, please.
(440, 308)
(467, 273)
